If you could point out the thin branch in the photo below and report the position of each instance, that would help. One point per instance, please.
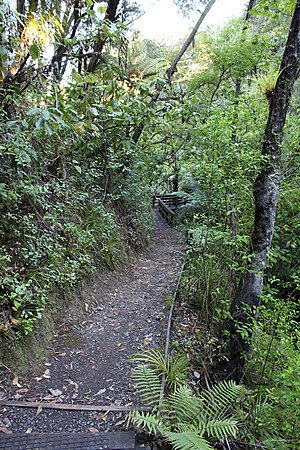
(173, 68)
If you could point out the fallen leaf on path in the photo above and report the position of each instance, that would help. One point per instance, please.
(72, 383)
(38, 378)
(55, 392)
(120, 422)
(93, 430)
(5, 430)
(60, 353)
(46, 374)
(100, 392)
(22, 391)
(39, 410)
(15, 382)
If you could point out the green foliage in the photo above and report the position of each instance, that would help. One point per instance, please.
(71, 202)
(174, 369)
(188, 440)
(186, 420)
(147, 383)
(273, 372)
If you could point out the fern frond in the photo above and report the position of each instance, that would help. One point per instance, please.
(182, 406)
(217, 400)
(220, 429)
(188, 440)
(198, 428)
(152, 358)
(147, 384)
(177, 370)
(147, 421)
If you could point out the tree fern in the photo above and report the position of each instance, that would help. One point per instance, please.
(187, 440)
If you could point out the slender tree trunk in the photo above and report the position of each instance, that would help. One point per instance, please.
(266, 193)
(173, 67)
(251, 5)
(110, 15)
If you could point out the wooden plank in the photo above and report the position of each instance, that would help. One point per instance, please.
(166, 212)
(169, 199)
(70, 406)
(166, 208)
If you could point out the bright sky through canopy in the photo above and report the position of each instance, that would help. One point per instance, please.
(163, 22)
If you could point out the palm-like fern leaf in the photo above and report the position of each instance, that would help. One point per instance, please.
(198, 428)
(218, 399)
(147, 421)
(147, 383)
(220, 429)
(152, 358)
(182, 406)
(177, 370)
(187, 440)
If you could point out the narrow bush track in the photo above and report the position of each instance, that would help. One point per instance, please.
(126, 313)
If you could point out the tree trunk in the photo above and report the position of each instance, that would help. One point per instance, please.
(173, 67)
(266, 193)
(110, 15)
(250, 6)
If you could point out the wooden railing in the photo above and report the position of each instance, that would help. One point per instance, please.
(167, 205)
(168, 199)
(166, 212)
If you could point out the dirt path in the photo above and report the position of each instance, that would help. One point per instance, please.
(126, 314)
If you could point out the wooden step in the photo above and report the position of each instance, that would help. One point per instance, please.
(123, 440)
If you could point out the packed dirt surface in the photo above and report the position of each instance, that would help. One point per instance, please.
(126, 313)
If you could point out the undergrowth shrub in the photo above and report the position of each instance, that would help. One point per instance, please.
(55, 232)
(134, 204)
(214, 260)
(54, 240)
(273, 375)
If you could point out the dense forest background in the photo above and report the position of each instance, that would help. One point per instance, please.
(95, 120)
